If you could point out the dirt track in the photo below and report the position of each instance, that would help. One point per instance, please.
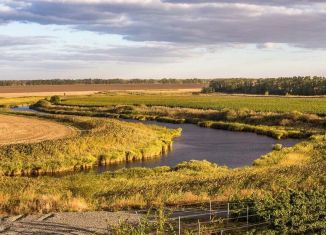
(86, 223)
(15, 129)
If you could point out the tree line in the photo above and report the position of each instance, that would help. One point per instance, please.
(274, 86)
(102, 81)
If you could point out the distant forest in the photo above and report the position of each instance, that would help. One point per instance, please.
(274, 86)
(102, 81)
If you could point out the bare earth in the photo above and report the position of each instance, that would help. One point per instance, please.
(85, 89)
(14, 129)
(86, 223)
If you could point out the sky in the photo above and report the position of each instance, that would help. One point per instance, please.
(46, 39)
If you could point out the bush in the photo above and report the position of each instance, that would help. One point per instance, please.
(295, 212)
(42, 104)
(55, 99)
(277, 147)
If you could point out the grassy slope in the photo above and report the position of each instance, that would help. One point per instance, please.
(190, 181)
(272, 104)
(104, 141)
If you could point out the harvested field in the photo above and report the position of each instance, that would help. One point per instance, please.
(85, 89)
(28, 130)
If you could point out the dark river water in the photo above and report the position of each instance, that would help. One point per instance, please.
(232, 149)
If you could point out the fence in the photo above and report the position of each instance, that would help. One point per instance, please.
(212, 217)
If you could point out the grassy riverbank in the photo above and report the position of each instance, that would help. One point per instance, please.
(298, 171)
(277, 125)
(99, 142)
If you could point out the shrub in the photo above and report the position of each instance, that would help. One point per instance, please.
(55, 99)
(277, 147)
(42, 104)
(295, 212)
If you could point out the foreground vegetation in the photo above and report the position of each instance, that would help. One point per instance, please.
(99, 142)
(294, 198)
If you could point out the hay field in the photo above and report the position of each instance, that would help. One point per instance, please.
(15, 130)
(87, 89)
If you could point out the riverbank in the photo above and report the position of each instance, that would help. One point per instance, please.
(299, 168)
(278, 126)
(223, 147)
(100, 142)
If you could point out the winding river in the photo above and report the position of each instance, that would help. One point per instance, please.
(232, 149)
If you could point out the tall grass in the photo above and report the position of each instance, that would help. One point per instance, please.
(100, 142)
(4, 102)
(270, 186)
(297, 125)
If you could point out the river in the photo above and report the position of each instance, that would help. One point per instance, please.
(226, 148)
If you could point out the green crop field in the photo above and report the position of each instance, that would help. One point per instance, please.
(269, 104)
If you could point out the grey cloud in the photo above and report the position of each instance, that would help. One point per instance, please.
(277, 21)
(153, 54)
(9, 41)
(258, 2)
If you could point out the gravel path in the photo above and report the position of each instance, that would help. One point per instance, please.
(96, 222)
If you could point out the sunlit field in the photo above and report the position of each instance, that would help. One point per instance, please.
(272, 104)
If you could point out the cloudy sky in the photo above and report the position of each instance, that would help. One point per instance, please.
(42, 39)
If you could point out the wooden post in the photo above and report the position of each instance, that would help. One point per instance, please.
(179, 225)
(210, 210)
(198, 227)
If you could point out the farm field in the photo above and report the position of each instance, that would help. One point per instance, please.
(15, 130)
(268, 104)
(85, 89)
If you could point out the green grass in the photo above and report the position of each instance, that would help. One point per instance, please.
(277, 125)
(269, 104)
(18, 101)
(293, 193)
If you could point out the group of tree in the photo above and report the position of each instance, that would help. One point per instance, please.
(102, 81)
(307, 86)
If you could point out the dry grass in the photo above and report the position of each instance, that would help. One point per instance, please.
(15, 129)
(294, 159)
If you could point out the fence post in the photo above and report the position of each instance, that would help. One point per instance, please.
(199, 227)
(247, 215)
(210, 210)
(228, 215)
(221, 232)
(179, 225)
